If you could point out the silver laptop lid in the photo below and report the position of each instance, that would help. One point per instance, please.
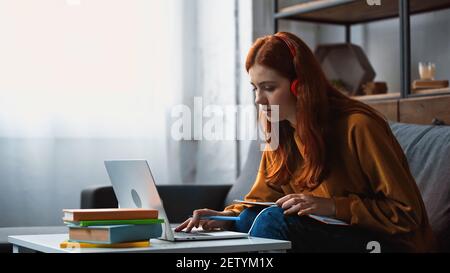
(135, 187)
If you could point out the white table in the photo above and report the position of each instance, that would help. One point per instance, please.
(49, 243)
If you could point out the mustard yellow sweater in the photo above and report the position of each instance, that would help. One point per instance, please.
(370, 182)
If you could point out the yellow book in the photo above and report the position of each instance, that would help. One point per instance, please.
(68, 244)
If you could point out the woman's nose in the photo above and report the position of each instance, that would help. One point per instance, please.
(260, 98)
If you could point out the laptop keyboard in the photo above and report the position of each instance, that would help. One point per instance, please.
(183, 234)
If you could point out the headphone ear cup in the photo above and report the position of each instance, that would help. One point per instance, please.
(294, 86)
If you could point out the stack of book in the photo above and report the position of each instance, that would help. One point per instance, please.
(111, 227)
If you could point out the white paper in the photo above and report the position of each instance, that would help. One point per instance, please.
(328, 220)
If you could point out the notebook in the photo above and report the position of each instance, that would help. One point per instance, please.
(323, 219)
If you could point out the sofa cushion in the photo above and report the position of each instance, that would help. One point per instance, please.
(427, 149)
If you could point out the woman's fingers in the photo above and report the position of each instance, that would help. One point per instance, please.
(213, 224)
(187, 223)
(192, 223)
(306, 211)
(196, 218)
(209, 225)
(283, 199)
(291, 202)
(183, 225)
(292, 209)
(297, 207)
(280, 202)
(205, 226)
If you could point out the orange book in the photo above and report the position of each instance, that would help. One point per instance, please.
(109, 214)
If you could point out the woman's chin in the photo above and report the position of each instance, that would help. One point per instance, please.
(272, 116)
(272, 119)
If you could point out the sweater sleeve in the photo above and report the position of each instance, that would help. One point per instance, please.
(261, 191)
(394, 205)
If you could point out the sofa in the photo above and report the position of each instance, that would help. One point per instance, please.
(427, 148)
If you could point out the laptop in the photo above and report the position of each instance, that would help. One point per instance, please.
(135, 187)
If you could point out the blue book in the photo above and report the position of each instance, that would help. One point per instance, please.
(114, 234)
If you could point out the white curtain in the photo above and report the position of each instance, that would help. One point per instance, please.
(82, 81)
(219, 44)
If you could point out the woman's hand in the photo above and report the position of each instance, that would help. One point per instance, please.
(195, 220)
(303, 204)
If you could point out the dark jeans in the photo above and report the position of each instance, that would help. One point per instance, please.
(305, 233)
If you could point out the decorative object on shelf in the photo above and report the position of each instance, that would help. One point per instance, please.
(437, 121)
(373, 88)
(340, 85)
(429, 84)
(427, 70)
(347, 63)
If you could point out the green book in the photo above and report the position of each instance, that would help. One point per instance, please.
(88, 223)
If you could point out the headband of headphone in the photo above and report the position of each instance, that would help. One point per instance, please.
(290, 44)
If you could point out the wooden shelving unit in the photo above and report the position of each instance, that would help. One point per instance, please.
(350, 12)
(439, 91)
(391, 95)
(396, 95)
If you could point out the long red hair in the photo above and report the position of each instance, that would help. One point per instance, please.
(318, 102)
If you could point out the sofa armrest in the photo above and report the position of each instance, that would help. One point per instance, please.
(179, 200)
(97, 197)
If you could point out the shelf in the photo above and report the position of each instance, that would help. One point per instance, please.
(348, 12)
(393, 95)
(396, 95)
(436, 91)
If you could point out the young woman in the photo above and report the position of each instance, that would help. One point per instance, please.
(337, 157)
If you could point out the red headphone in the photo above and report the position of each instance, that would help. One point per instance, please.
(294, 86)
(290, 45)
